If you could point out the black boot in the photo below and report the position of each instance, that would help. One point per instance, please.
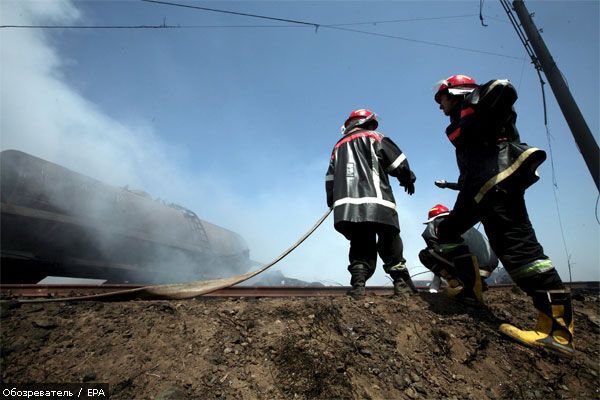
(403, 284)
(358, 280)
(404, 287)
(358, 290)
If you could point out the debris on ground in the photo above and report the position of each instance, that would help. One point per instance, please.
(423, 346)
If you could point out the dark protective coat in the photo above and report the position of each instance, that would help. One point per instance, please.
(488, 147)
(495, 169)
(357, 182)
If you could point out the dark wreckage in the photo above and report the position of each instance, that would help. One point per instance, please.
(57, 222)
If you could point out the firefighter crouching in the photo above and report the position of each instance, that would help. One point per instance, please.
(495, 170)
(358, 189)
(440, 260)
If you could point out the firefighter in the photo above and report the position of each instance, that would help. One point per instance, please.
(495, 169)
(442, 265)
(358, 189)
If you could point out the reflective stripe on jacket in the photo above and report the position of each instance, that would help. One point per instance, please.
(489, 151)
(357, 181)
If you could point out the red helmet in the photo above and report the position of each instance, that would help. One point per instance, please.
(456, 84)
(359, 117)
(437, 211)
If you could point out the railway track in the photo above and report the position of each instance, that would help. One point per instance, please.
(57, 291)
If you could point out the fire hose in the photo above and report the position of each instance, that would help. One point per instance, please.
(186, 290)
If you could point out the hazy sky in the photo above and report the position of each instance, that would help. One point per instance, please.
(235, 117)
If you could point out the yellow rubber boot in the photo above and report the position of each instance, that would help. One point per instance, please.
(454, 288)
(554, 328)
(467, 269)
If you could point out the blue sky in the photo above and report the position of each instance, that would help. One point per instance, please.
(237, 123)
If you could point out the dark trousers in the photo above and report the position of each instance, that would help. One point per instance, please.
(509, 230)
(442, 264)
(367, 239)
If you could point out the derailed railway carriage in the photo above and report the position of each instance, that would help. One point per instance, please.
(57, 222)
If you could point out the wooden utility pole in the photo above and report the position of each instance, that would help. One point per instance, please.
(581, 132)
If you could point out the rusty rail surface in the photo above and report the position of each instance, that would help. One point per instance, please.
(54, 291)
(19, 290)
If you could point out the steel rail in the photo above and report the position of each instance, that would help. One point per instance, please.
(57, 291)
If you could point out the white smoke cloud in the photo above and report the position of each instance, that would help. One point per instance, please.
(44, 115)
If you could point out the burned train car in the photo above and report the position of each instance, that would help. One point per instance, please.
(57, 222)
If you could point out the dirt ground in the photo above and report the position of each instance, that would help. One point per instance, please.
(382, 347)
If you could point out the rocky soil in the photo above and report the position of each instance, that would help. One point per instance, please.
(381, 347)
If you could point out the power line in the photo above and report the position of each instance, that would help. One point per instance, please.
(481, 13)
(401, 20)
(297, 22)
(146, 26)
(538, 67)
(424, 42)
(233, 12)
(165, 26)
(317, 26)
(497, 19)
(92, 26)
(596, 213)
(521, 77)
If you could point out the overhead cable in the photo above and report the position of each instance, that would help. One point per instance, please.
(163, 26)
(393, 21)
(481, 13)
(497, 19)
(92, 26)
(296, 22)
(538, 68)
(178, 26)
(424, 42)
(596, 213)
(232, 12)
(317, 26)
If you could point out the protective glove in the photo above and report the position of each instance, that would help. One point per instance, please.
(409, 188)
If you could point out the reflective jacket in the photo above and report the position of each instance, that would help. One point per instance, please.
(357, 182)
(489, 151)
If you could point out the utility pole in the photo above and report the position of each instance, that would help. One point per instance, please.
(581, 132)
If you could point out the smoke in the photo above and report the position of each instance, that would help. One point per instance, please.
(94, 230)
(45, 115)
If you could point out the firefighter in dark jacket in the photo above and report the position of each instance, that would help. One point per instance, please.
(364, 208)
(495, 170)
(442, 264)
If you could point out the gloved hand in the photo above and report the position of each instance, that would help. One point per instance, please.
(409, 188)
(441, 184)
